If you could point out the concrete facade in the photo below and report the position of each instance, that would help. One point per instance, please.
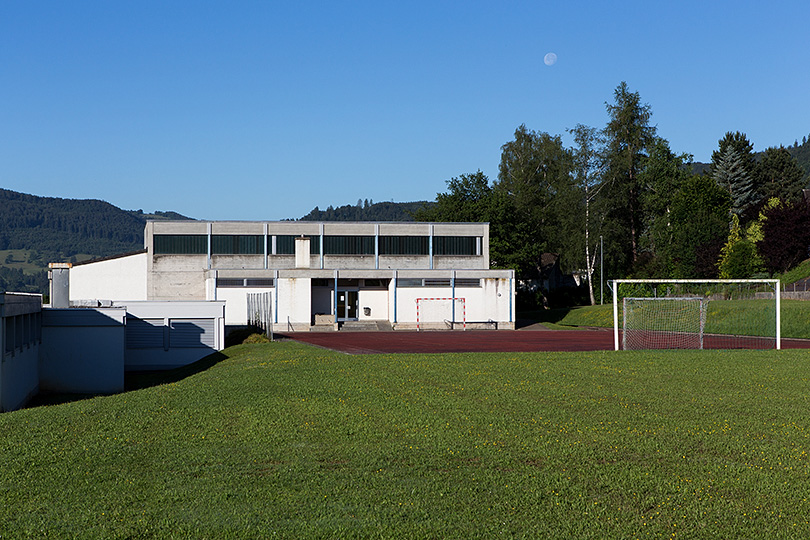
(314, 272)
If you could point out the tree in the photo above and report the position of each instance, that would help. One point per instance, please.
(734, 168)
(535, 180)
(738, 258)
(699, 227)
(779, 175)
(470, 197)
(662, 177)
(785, 236)
(732, 175)
(467, 199)
(628, 136)
(587, 177)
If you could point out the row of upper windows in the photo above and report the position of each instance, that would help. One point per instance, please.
(231, 244)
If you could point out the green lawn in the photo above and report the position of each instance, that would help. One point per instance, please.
(289, 441)
(723, 319)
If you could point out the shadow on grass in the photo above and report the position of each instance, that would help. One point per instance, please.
(133, 380)
(137, 380)
(528, 318)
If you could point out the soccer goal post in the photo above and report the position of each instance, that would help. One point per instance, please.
(696, 314)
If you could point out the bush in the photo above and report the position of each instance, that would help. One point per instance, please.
(257, 338)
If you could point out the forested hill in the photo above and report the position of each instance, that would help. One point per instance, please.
(799, 151)
(63, 228)
(368, 211)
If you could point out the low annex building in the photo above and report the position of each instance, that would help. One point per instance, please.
(314, 275)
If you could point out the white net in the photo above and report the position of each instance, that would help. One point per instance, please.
(663, 323)
(710, 314)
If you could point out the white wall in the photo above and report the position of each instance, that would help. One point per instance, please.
(376, 300)
(491, 301)
(295, 303)
(236, 302)
(121, 278)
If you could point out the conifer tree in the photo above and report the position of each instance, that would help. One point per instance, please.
(732, 174)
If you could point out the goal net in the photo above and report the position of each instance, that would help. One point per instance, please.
(696, 314)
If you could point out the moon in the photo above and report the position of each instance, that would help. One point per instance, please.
(550, 59)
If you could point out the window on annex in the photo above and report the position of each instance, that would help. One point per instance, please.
(456, 245)
(285, 244)
(423, 282)
(348, 245)
(404, 245)
(180, 244)
(237, 244)
(234, 283)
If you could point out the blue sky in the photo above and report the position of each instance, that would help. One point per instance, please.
(264, 110)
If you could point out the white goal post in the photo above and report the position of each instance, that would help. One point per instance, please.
(695, 313)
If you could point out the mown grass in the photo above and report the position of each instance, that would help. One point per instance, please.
(724, 319)
(285, 440)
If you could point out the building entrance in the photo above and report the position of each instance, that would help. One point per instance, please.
(347, 302)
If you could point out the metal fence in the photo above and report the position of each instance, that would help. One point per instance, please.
(260, 312)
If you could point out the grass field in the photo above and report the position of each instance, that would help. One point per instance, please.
(724, 320)
(286, 440)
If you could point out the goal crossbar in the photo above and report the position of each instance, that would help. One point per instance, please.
(772, 284)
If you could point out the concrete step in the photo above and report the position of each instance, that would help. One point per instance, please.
(366, 326)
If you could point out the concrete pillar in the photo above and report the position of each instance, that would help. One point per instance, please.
(302, 252)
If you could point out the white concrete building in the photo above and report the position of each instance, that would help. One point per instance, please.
(315, 275)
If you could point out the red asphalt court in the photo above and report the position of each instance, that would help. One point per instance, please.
(472, 341)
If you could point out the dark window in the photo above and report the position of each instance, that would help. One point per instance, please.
(285, 244)
(426, 282)
(404, 245)
(455, 245)
(231, 283)
(259, 282)
(348, 245)
(237, 244)
(180, 244)
(468, 282)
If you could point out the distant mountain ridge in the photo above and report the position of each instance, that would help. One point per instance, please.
(368, 211)
(67, 227)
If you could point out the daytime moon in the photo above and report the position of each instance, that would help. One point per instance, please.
(550, 59)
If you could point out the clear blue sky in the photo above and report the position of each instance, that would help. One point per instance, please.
(263, 110)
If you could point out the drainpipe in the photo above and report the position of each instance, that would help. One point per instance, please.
(453, 298)
(208, 234)
(275, 296)
(395, 297)
(336, 297)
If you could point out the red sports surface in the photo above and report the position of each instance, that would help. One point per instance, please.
(473, 341)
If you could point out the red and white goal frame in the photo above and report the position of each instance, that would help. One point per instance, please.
(423, 303)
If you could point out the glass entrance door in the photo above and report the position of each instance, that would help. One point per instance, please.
(347, 302)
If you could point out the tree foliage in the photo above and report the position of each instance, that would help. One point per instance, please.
(785, 236)
(628, 136)
(779, 176)
(698, 227)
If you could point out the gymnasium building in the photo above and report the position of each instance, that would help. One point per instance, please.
(313, 276)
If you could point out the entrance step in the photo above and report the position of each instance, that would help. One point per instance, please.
(366, 326)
